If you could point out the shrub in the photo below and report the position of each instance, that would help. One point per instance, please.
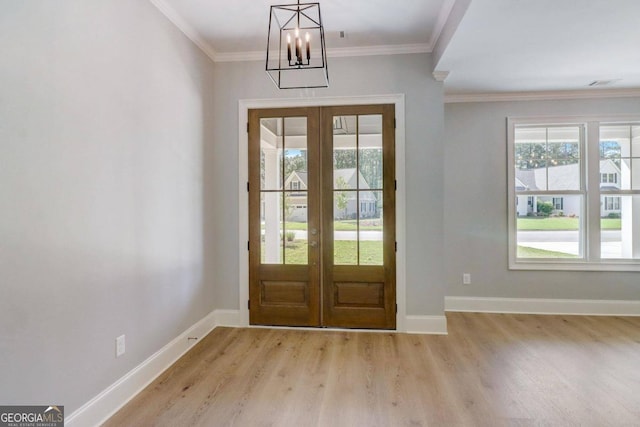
(544, 208)
(614, 215)
(290, 236)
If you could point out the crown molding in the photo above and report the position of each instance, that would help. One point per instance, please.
(172, 15)
(399, 49)
(541, 95)
(191, 33)
(240, 56)
(341, 52)
(440, 76)
(443, 17)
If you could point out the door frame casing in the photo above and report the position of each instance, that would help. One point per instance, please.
(244, 105)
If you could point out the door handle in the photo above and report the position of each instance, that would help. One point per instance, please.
(313, 244)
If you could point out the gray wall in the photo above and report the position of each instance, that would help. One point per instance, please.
(105, 117)
(476, 206)
(408, 74)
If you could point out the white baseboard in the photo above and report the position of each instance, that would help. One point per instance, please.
(543, 306)
(436, 325)
(97, 410)
(104, 405)
(227, 318)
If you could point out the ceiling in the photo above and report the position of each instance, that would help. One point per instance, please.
(544, 45)
(229, 27)
(486, 46)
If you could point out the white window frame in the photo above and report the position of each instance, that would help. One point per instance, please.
(558, 201)
(606, 178)
(590, 189)
(615, 203)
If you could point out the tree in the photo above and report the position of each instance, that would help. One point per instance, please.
(297, 163)
(288, 207)
(341, 197)
(539, 155)
(368, 160)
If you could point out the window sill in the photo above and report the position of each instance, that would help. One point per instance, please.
(618, 265)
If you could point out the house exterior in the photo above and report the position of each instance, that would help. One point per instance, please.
(563, 178)
(296, 209)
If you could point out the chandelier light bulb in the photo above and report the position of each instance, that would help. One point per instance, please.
(291, 67)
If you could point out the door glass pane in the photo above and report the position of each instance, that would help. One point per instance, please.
(549, 226)
(295, 154)
(271, 145)
(371, 229)
(344, 152)
(345, 234)
(295, 228)
(370, 151)
(271, 227)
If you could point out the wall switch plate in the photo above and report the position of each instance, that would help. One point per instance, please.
(466, 279)
(120, 346)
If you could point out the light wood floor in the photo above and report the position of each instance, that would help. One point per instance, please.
(492, 369)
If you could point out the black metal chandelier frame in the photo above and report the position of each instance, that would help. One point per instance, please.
(296, 62)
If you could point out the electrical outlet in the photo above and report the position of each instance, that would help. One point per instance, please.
(120, 346)
(466, 279)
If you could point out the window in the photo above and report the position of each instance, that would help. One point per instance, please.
(581, 180)
(295, 185)
(557, 203)
(609, 177)
(612, 203)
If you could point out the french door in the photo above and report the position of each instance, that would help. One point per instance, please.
(322, 216)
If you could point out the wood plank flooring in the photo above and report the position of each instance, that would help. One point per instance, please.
(491, 370)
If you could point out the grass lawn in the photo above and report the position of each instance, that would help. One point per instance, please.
(610, 223)
(562, 223)
(345, 225)
(526, 252)
(344, 250)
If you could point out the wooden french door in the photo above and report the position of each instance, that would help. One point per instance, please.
(322, 217)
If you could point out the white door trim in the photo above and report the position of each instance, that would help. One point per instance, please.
(243, 200)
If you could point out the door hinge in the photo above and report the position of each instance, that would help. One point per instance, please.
(247, 245)
(247, 127)
(396, 308)
(395, 185)
(247, 186)
(396, 246)
(394, 122)
(249, 304)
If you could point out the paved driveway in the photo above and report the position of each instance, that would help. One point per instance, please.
(567, 241)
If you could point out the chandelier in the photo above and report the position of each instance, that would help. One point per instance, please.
(296, 51)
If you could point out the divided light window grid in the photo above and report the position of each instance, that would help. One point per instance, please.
(574, 194)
